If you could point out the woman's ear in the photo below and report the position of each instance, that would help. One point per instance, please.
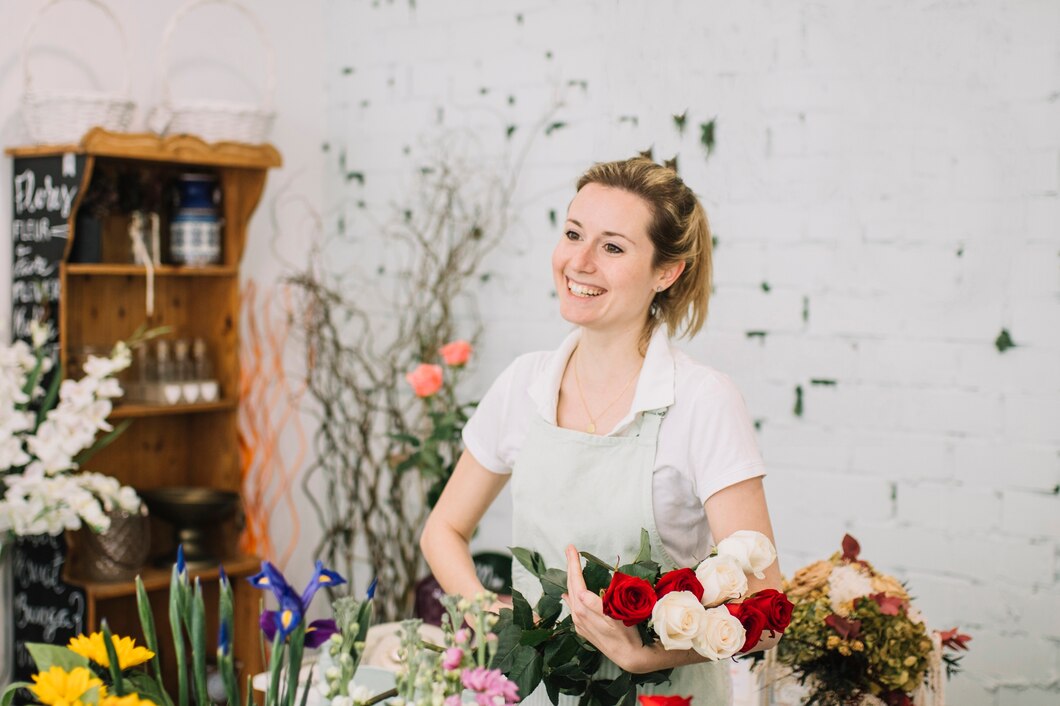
(668, 274)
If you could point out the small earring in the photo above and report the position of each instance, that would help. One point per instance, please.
(658, 288)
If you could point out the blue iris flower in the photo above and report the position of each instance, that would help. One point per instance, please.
(292, 606)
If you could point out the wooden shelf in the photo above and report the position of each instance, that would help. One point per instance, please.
(127, 411)
(122, 269)
(157, 578)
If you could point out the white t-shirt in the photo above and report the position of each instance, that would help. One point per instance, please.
(706, 440)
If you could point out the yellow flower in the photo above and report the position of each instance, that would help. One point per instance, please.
(129, 700)
(92, 647)
(57, 687)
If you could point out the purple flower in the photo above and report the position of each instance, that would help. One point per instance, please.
(292, 606)
(488, 684)
(452, 658)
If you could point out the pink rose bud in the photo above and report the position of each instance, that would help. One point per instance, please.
(455, 354)
(462, 636)
(425, 379)
(452, 658)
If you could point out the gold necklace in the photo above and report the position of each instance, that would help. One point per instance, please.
(592, 418)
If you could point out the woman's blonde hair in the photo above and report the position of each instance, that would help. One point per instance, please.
(678, 230)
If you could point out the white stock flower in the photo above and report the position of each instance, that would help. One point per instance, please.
(677, 618)
(753, 549)
(721, 636)
(723, 579)
(845, 584)
(40, 332)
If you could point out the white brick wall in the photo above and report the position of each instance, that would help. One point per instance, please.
(895, 166)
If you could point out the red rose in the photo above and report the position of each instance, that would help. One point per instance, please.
(774, 605)
(665, 700)
(679, 580)
(753, 621)
(629, 599)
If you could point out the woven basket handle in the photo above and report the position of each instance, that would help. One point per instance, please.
(270, 55)
(27, 80)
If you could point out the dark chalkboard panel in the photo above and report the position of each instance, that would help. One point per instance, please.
(44, 193)
(45, 608)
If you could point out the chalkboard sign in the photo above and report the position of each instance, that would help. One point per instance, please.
(44, 192)
(45, 608)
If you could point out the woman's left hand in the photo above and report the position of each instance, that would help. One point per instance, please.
(621, 644)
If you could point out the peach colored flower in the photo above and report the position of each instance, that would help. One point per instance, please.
(456, 353)
(808, 579)
(425, 380)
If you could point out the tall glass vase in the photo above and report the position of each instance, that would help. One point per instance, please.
(7, 614)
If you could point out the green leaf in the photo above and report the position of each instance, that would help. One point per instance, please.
(508, 634)
(102, 443)
(533, 638)
(548, 131)
(118, 684)
(525, 669)
(593, 559)
(197, 632)
(48, 656)
(147, 687)
(645, 547)
(554, 582)
(176, 624)
(597, 578)
(531, 560)
(410, 439)
(522, 613)
(706, 136)
(561, 651)
(548, 610)
(12, 689)
(679, 122)
(648, 570)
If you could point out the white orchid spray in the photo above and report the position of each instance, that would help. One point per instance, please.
(46, 434)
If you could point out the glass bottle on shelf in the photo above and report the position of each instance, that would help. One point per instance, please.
(184, 372)
(164, 375)
(204, 371)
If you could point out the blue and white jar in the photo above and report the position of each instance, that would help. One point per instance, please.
(195, 231)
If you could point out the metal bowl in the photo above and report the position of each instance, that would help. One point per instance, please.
(196, 515)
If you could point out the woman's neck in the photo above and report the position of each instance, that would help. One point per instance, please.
(607, 356)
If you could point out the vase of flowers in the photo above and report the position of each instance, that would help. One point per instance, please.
(855, 639)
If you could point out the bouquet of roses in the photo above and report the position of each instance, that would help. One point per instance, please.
(682, 609)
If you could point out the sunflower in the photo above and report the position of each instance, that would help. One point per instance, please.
(92, 647)
(129, 700)
(57, 687)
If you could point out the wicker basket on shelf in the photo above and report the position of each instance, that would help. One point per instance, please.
(54, 116)
(216, 120)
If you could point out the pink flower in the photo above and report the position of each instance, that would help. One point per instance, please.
(456, 353)
(452, 658)
(462, 636)
(454, 700)
(491, 687)
(425, 380)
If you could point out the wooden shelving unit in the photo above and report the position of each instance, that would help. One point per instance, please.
(100, 303)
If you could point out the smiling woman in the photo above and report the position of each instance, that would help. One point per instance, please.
(616, 430)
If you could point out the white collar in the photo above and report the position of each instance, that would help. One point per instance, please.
(655, 388)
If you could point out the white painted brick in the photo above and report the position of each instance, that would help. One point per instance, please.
(1022, 369)
(1013, 562)
(937, 506)
(799, 447)
(900, 361)
(1029, 696)
(800, 359)
(967, 603)
(970, 689)
(1032, 418)
(1035, 269)
(810, 266)
(1016, 660)
(1006, 464)
(1043, 219)
(746, 308)
(902, 456)
(1031, 514)
(828, 494)
(952, 411)
(739, 263)
(1034, 322)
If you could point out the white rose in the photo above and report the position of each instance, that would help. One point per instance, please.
(723, 579)
(677, 618)
(721, 636)
(753, 549)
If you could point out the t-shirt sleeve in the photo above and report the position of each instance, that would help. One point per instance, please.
(485, 434)
(724, 449)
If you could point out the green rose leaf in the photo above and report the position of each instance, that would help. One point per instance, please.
(48, 656)
(525, 669)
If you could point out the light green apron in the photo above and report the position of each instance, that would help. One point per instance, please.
(595, 492)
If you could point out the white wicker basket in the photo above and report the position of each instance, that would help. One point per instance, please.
(213, 120)
(60, 116)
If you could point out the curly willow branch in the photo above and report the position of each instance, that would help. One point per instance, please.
(361, 335)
